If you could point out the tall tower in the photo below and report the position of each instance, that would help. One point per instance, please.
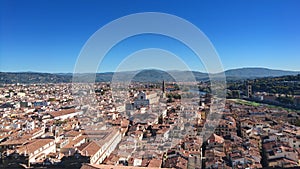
(163, 86)
(249, 91)
(163, 89)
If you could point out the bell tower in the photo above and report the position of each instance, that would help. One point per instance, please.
(163, 86)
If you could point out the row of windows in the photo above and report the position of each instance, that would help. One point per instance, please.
(113, 143)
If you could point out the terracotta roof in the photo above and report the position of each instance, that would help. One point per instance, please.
(62, 112)
(72, 143)
(14, 142)
(72, 133)
(33, 146)
(97, 166)
(155, 163)
(216, 138)
(89, 149)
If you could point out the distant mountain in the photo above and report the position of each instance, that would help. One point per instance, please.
(172, 76)
(152, 75)
(34, 77)
(251, 73)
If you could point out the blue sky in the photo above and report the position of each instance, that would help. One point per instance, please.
(47, 36)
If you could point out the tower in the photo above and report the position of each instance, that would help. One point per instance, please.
(249, 91)
(163, 86)
(163, 89)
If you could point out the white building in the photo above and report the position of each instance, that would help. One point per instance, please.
(38, 149)
(141, 100)
(103, 144)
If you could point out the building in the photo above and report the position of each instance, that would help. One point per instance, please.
(249, 91)
(65, 114)
(38, 149)
(297, 100)
(227, 127)
(101, 144)
(141, 100)
(90, 166)
(12, 143)
(73, 140)
(163, 89)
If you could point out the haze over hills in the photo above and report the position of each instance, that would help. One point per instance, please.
(152, 75)
(258, 72)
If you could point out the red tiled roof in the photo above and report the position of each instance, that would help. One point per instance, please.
(100, 166)
(89, 149)
(35, 145)
(155, 163)
(62, 112)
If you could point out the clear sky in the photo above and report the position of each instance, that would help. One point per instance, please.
(47, 35)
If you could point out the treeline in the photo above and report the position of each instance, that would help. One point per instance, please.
(172, 96)
(289, 85)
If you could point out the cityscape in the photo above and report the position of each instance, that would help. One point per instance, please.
(81, 111)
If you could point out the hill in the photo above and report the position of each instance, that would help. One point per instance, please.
(149, 75)
(257, 73)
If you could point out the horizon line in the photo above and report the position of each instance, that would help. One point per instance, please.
(29, 71)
